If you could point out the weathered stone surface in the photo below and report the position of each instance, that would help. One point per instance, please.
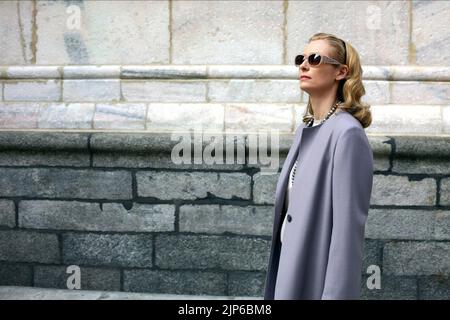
(442, 225)
(91, 71)
(90, 278)
(252, 71)
(204, 252)
(167, 185)
(445, 192)
(115, 250)
(416, 258)
(88, 216)
(406, 119)
(220, 33)
(37, 90)
(434, 287)
(91, 90)
(392, 288)
(254, 117)
(362, 30)
(264, 187)
(382, 148)
(165, 71)
(16, 32)
(19, 115)
(30, 293)
(400, 224)
(33, 72)
(254, 91)
(62, 183)
(141, 31)
(66, 116)
(7, 213)
(133, 142)
(12, 158)
(446, 119)
(29, 246)
(15, 275)
(156, 160)
(421, 165)
(185, 116)
(429, 16)
(255, 220)
(44, 141)
(372, 254)
(129, 116)
(416, 92)
(245, 283)
(377, 92)
(175, 282)
(163, 91)
(398, 190)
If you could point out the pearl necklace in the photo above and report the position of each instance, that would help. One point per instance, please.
(326, 117)
(310, 124)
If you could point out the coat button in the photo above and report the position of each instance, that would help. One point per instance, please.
(289, 218)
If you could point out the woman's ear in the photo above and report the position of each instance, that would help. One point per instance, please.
(343, 73)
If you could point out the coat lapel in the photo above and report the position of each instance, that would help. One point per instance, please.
(303, 138)
(284, 175)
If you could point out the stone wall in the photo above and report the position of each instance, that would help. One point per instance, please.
(91, 92)
(67, 32)
(133, 221)
(404, 99)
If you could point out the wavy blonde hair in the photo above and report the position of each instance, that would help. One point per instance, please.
(350, 89)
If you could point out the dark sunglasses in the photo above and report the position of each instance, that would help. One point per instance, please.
(314, 59)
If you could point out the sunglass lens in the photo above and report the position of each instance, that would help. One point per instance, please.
(299, 59)
(314, 59)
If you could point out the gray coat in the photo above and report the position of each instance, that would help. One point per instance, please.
(321, 254)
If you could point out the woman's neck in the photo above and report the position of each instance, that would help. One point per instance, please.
(322, 106)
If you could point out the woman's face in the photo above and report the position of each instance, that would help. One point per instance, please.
(323, 77)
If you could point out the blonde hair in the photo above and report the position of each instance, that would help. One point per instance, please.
(350, 89)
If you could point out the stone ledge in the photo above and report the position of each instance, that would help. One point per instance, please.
(397, 119)
(32, 293)
(389, 72)
(419, 146)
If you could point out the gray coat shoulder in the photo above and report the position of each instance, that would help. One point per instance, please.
(347, 122)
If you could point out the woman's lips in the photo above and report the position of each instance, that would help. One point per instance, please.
(304, 77)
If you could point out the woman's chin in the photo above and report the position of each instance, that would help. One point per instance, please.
(305, 88)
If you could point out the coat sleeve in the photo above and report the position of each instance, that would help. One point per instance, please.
(351, 190)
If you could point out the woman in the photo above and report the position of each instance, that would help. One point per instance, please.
(323, 192)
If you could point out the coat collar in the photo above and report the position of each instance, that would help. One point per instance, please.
(302, 137)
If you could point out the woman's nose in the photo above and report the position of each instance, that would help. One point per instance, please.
(303, 65)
